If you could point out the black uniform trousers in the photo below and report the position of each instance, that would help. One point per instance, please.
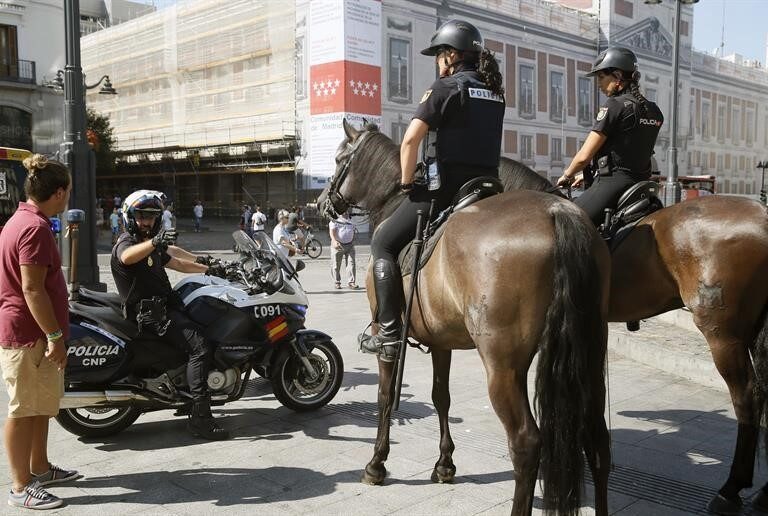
(186, 334)
(605, 193)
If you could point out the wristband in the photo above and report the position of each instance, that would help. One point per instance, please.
(54, 336)
(406, 187)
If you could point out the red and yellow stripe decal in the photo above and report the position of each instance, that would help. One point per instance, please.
(277, 328)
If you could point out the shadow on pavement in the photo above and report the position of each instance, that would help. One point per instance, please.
(222, 486)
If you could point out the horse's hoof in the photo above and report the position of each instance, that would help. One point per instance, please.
(725, 506)
(374, 476)
(760, 502)
(443, 475)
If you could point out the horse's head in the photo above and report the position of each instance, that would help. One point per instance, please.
(350, 186)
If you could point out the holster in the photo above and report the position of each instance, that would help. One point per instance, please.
(604, 167)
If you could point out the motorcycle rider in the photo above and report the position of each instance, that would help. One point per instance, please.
(461, 116)
(622, 138)
(138, 265)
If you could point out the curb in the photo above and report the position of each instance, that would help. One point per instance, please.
(668, 347)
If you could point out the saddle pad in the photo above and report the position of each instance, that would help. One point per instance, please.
(405, 258)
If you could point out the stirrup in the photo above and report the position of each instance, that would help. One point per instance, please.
(387, 350)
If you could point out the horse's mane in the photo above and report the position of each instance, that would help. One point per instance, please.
(516, 176)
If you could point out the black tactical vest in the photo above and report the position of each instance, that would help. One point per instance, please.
(471, 134)
(630, 148)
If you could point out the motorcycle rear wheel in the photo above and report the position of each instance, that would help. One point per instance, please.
(314, 248)
(79, 421)
(295, 390)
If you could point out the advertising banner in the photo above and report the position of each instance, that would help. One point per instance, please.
(344, 76)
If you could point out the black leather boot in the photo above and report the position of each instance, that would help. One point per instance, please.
(202, 424)
(388, 284)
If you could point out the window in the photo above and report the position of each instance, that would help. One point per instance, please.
(238, 95)
(750, 127)
(398, 131)
(720, 163)
(526, 101)
(556, 96)
(651, 94)
(720, 122)
(705, 119)
(692, 115)
(301, 79)
(526, 147)
(765, 134)
(556, 150)
(736, 126)
(399, 69)
(585, 101)
(9, 51)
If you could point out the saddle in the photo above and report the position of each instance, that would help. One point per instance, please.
(634, 205)
(472, 191)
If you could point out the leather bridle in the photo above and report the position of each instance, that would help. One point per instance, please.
(336, 204)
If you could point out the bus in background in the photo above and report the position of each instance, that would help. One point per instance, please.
(12, 175)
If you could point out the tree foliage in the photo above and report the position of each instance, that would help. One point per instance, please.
(102, 140)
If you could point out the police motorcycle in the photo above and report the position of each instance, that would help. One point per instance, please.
(254, 310)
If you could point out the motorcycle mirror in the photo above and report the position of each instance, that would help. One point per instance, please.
(300, 265)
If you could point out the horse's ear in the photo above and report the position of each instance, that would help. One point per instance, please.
(365, 121)
(350, 131)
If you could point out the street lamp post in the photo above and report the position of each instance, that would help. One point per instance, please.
(672, 188)
(75, 152)
(762, 165)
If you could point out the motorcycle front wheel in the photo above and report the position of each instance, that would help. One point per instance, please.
(97, 421)
(296, 389)
(314, 248)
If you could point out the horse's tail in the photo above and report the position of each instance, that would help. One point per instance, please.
(759, 352)
(571, 367)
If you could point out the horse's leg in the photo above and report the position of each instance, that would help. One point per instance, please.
(508, 391)
(375, 472)
(599, 456)
(732, 360)
(441, 365)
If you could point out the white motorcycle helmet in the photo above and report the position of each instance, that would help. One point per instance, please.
(146, 201)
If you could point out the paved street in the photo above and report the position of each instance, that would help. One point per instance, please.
(672, 440)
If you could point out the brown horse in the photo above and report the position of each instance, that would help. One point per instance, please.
(711, 255)
(535, 279)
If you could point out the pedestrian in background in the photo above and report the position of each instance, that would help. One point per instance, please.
(34, 325)
(342, 232)
(167, 218)
(258, 220)
(198, 211)
(247, 213)
(114, 224)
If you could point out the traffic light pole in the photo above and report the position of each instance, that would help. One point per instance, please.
(77, 155)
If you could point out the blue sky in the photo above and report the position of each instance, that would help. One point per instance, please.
(745, 26)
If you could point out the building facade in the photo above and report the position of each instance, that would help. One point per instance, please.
(544, 49)
(30, 114)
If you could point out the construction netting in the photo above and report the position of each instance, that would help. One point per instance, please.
(199, 73)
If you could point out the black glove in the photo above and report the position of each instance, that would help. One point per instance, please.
(164, 238)
(217, 269)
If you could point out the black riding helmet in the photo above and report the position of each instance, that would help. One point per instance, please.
(615, 58)
(458, 34)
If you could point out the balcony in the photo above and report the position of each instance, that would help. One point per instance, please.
(21, 71)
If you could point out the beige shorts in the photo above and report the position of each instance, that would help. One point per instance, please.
(34, 384)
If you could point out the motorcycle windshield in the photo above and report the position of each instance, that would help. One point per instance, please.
(261, 242)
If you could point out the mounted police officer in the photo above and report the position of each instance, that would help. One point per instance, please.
(138, 263)
(461, 116)
(621, 142)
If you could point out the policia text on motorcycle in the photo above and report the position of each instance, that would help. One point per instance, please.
(621, 142)
(138, 265)
(461, 116)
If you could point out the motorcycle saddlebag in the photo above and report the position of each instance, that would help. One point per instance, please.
(94, 355)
